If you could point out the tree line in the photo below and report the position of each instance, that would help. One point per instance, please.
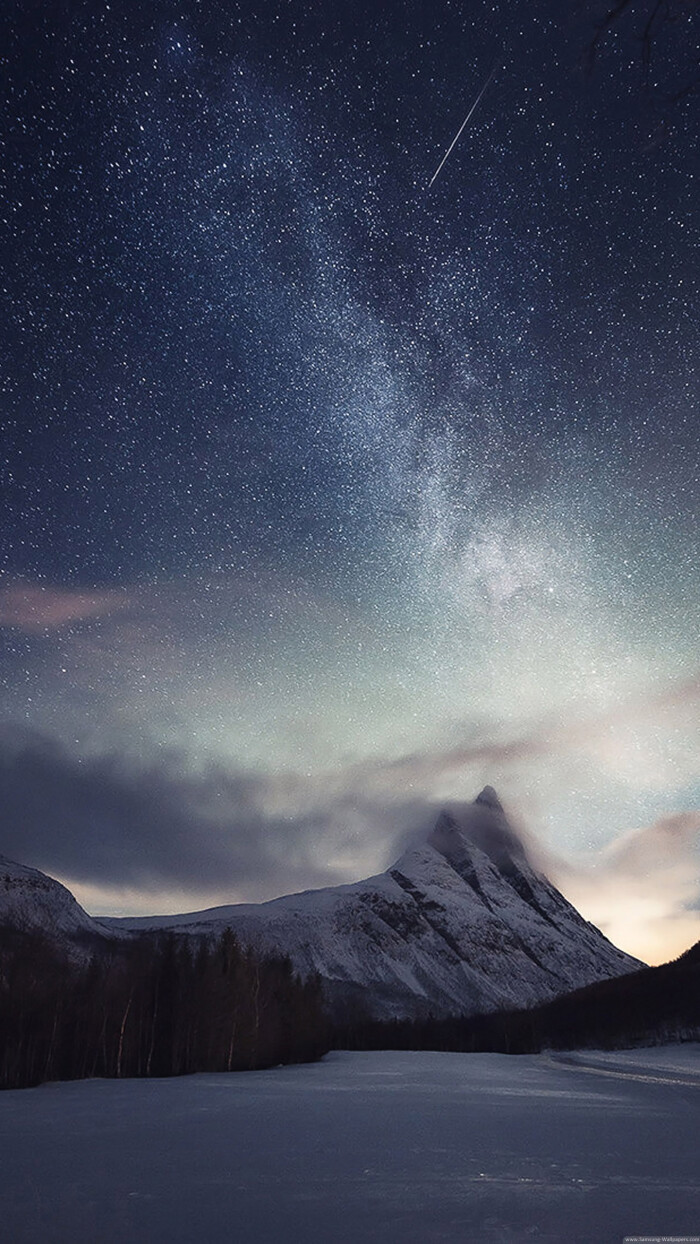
(160, 1006)
(650, 1006)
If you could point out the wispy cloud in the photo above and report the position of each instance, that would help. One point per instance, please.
(162, 835)
(35, 607)
(106, 820)
(643, 889)
(614, 736)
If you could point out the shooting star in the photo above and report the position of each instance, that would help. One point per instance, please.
(462, 126)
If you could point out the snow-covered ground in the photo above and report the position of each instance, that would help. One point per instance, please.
(385, 1148)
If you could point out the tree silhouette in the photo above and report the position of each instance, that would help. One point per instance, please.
(154, 1007)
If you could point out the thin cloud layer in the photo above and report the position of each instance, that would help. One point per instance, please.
(643, 889)
(34, 607)
(104, 820)
(162, 836)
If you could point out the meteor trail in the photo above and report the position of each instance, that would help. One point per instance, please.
(462, 126)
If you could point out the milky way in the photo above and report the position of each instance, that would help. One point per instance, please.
(313, 477)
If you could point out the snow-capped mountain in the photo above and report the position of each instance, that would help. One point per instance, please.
(462, 924)
(31, 902)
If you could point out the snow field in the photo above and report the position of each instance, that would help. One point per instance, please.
(379, 1148)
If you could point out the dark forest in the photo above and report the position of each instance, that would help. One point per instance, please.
(155, 1007)
(648, 1007)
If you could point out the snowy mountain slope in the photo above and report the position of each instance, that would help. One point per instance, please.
(462, 924)
(31, 902)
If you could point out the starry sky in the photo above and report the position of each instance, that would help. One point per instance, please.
(329, 494)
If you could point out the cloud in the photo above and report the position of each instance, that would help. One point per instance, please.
(108, 821)
(643, 888)
(34, 607)
(631, 741)
(158, 834)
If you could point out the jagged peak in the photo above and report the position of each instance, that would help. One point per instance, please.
(481, 824)
(489, 798)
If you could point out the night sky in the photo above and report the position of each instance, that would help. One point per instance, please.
(329, 494)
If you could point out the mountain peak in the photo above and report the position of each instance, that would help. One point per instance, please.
(462, 928)
(489, 797)
(481, 823)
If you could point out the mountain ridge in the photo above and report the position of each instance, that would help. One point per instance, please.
(461, 924)
(33, 902)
